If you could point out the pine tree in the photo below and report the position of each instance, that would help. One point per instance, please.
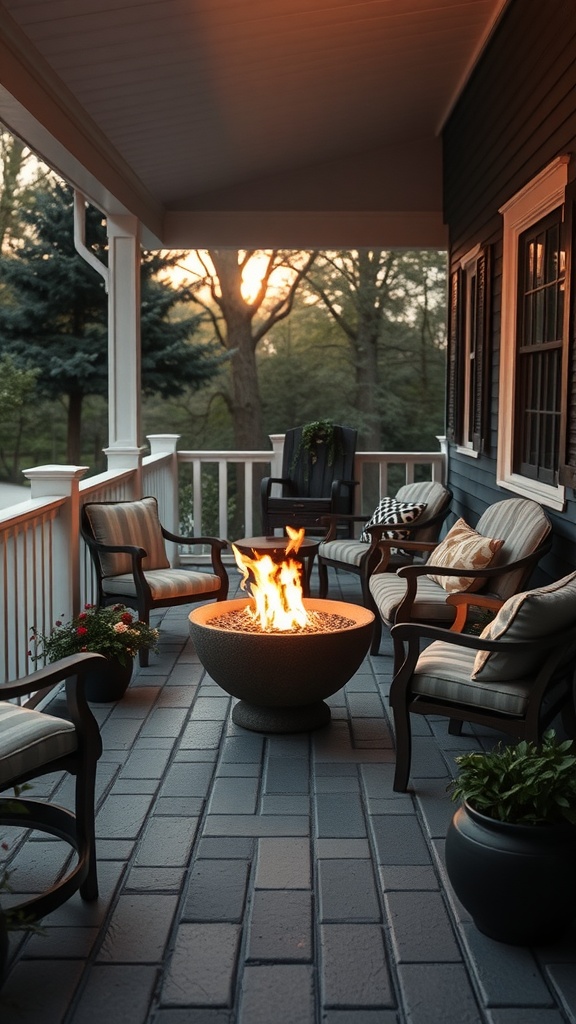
(54, 312)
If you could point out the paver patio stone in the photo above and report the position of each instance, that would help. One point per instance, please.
(270, 879)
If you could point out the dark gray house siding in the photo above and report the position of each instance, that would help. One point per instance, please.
(517, 113)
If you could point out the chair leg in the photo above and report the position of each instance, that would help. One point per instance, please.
(376, 635)
(403, 749)
(322, 579)
(86, 832)
(455, 727)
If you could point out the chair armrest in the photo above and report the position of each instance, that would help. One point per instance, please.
(213, 542)
(50, 675)
(334, 519)
(338, 486)
(216, 545)
(411, 573)
(72, 670)
(266, 485)
(385, 547)
(463, 601)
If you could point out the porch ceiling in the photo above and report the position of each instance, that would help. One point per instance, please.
(246, 122)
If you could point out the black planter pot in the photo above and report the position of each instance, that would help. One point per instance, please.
(109, 682)
(517, 881)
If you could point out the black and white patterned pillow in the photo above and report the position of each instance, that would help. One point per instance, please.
(390, 512)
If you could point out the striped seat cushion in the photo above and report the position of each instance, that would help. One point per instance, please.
(350, 552)
(444, 671)
(29, 739)
(165, 584)
(128, 522)
(387, 589)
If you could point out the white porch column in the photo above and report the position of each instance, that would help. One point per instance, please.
(124, 449)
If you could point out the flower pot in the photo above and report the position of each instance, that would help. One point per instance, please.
(517, 881)
(108, 682)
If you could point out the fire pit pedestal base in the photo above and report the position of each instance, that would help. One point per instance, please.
(282, 679)
(281, 719)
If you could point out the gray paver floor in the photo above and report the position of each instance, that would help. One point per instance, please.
(253, 879)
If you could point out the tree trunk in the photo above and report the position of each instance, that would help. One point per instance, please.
(245, 403)
(368, 301)
(367, 389)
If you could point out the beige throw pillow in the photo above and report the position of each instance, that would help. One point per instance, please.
(463, 548)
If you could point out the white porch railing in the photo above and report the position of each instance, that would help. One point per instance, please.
(45, 569)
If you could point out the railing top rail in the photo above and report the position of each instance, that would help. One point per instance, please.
(401, 456)
(157, 457)
(27, 511)
(225, 456)
(111, 476)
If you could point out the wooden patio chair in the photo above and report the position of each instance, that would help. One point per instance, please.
(312, 484)
(126, 541)
(35, 743)
(348, 554)
(497, 558)
(516, 677)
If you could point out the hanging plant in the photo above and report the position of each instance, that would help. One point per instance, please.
(317, 435)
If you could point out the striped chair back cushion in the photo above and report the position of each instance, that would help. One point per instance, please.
(522, 524)
(128, 522)
(434, 495)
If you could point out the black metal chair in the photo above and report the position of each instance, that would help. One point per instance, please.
(316, 480)
(349, 554)
(126, 541)
(419, 593)
(516, 677)
(35, 743)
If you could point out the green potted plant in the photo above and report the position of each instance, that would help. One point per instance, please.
(511, 845)
(114, 632)
(317, 436)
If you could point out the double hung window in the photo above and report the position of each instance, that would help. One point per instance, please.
(532, 406)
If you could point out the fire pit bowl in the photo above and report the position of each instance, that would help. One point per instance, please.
(281, 678)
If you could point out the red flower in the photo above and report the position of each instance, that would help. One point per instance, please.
(81, 631)
(58, 622)
(127, 618)
(82, 616)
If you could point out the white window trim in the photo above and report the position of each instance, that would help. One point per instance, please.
(537, 199)
(467, 263)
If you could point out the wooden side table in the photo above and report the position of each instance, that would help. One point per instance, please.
(276, 548)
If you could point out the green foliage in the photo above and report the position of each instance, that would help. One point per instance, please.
(315, 435)
(210, 507)
(522, 784)
(54, 314)
(16, 386)
(112, 631)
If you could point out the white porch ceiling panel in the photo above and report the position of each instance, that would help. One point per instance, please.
(199, 115)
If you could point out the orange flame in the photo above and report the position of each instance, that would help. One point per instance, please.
(275, 588)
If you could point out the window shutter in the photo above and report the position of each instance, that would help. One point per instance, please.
(481, 425)
(452, 390)
(567, 469)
